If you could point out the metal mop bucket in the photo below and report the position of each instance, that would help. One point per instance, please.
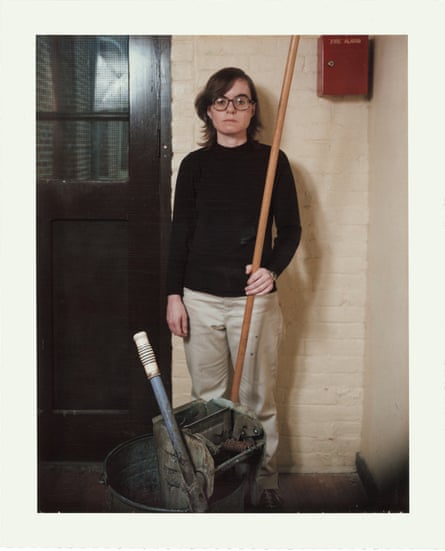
(133, 482)
(142, 476)
(196, 460)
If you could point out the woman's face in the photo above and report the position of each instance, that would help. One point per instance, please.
(231, 124)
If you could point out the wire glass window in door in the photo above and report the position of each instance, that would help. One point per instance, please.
(82, 107)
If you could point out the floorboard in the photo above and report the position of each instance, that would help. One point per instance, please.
(80, 488)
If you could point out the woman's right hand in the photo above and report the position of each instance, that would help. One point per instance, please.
(177, 318)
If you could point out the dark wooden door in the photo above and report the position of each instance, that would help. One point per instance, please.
(103, 202)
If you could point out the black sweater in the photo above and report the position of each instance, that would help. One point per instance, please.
(218, 199)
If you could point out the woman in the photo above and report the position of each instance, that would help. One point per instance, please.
(218, 198)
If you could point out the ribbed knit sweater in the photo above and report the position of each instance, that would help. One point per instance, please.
(217, 204)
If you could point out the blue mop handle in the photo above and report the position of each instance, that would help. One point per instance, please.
(196, 496)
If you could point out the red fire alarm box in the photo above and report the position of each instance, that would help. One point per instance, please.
(343, 65)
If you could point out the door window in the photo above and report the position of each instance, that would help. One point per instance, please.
(82, 108)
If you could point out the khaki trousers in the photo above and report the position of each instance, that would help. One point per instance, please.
(211, 350)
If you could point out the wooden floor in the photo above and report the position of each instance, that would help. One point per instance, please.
(80, 488)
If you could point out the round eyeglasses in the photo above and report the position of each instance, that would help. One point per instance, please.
(240, 103)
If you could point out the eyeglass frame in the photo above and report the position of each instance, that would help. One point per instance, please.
(250, 102)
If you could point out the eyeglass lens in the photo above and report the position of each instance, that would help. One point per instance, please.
(241, 103)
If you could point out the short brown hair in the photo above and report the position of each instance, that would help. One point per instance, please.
(217, 86)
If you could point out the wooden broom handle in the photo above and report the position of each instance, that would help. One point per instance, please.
(264, 213)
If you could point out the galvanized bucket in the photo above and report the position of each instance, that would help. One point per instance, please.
(132, 479)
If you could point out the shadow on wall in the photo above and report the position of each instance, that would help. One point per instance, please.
(268, 113)
(297, 292)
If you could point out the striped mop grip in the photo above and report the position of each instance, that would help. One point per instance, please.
(146, 354)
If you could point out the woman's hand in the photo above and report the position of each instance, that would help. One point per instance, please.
(259, 283)
(177, 318)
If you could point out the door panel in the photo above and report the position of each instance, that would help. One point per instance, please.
(103, 199)
(89, 267)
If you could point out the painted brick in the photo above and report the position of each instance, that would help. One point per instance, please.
(338, 330)
(295, 363)
(336, 280)
(339, 314)
(182, 51)
(334, 347)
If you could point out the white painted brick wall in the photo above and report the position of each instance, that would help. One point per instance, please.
(323, 291)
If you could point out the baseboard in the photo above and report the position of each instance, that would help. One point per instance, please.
(394, 497)
(366, 477)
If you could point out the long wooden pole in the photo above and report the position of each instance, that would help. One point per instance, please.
(264, 213)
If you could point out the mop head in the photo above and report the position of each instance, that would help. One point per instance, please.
(219, 437)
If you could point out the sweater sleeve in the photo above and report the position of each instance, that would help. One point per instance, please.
(182, 226)
(285, 211)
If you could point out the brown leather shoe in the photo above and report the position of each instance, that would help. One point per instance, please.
(270, 501)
